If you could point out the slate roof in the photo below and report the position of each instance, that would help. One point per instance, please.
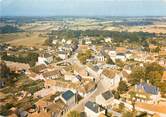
(67, 95)
(93, 106)
(46, 55)
(95, 68)
(120, 54)
(107, 95)
(148, 88)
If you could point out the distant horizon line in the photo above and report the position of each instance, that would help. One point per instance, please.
(104, 16)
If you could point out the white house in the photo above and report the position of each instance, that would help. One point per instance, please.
(92, 109)
(81, 70)
(162, 62)
(145, 92)
(54, 42)
(105, 99)
(100, 58)
(72, 78)
(69, 42)
(129, 55)
(110, 78)
(88, 40)
(108, 39)
(63, 40)
(112, 54)
(127, 68)
(45, 59)
(121, 56)
(68, 97)
(63, 55)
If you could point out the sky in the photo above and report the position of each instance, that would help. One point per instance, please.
(82, 7)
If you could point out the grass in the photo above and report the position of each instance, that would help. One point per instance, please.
(23, 39)
(22, 83)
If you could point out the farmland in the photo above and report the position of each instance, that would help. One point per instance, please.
(23, 39)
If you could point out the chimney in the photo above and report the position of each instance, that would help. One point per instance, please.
(98, 108)
(141, 81)
(106, 112)
(94, 104)
(147, 82)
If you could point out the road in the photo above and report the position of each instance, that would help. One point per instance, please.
(91, 97)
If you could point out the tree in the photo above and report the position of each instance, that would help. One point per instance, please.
(154, 67)
(84, 56)
(83, 42)
(9, 29)
(120, 63)
(73, 114)
(121, 106)
(137, 74)
(153, 73)
(162, 87)
(116, 94)
(5, 108)
(154, 77)
(157, 50)
(122, 88)
(30, 58)
(127, 114)
(4, 70)
(109, 60)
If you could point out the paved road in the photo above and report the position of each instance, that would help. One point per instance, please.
(91, 97)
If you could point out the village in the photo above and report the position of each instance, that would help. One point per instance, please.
(88, 77)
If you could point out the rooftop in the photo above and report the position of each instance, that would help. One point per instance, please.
(52, 73)
(40, 114)
(110, 73)
(164, 76)
(121, 49)
(93, 106)
(58, 106)
(17, 66)
(107, 95)
(67, 95)
(148, 88)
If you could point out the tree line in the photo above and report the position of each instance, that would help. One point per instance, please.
(116, 35)
(30, 59)
(9, 29)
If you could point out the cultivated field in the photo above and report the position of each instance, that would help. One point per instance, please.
(23, 39)
(150, 29)
(40, 26)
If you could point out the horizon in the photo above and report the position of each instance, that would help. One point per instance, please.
(83, 8)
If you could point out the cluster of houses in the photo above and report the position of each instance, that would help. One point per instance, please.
(83, 80)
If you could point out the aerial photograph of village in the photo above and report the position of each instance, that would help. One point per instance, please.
(82, 58)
